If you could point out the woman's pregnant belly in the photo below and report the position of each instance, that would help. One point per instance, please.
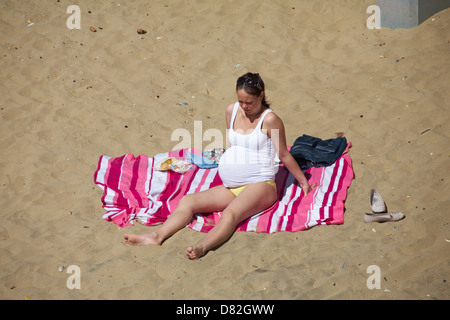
(239, 166)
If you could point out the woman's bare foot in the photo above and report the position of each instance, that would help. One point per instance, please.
(195, 252)
(142, 239)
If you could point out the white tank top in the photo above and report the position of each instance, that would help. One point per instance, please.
(250, 158)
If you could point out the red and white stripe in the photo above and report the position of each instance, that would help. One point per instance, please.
(133, 190)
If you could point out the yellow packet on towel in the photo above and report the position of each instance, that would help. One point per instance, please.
(176, 165)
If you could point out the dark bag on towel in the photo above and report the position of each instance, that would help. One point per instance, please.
(314, 152)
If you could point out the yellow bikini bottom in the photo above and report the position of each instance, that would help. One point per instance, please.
(238, 190)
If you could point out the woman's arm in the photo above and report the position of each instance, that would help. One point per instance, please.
(276, 132)
(228, 114)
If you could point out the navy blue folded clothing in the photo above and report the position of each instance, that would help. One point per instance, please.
(314, 152)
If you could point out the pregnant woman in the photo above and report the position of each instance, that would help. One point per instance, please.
(255, 135)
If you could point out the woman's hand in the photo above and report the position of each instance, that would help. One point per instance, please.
(276, 131)
(306, 188)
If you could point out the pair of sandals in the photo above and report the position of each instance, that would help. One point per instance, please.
(380, 213)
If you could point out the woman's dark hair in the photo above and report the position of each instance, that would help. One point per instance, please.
(253, 85)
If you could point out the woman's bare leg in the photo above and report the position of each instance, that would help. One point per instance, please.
(253, 199)
(214, 199)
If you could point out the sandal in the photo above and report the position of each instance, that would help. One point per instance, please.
(383, 217)
(377, 203)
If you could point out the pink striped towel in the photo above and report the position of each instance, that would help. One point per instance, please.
(134, 190)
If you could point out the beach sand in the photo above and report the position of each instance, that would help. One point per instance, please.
(69, 96)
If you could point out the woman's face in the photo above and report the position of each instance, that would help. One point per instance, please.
(249, 103)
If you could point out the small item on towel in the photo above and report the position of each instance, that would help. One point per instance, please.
(214, 154)
(164, 165)
(207, 160)
(200, 161)
(176, 165)
(314, 152)
(180, 166)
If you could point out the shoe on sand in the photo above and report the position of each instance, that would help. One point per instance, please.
(377, 203)
(383, 217)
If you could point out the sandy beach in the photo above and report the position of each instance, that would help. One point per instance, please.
(68, 96)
